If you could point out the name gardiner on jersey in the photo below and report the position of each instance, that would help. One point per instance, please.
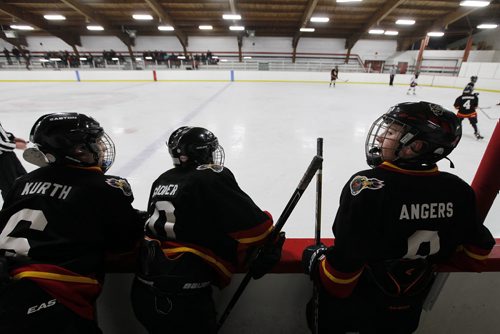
(165, 190)
(426, 211)
(59, 191)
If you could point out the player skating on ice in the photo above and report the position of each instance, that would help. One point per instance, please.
(201, 228)
(395, 223)
(334, 74)
(413, 84)
(466, 105)
(469, 89)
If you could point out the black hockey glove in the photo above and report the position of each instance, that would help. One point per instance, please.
(310, 257)
(268, 256)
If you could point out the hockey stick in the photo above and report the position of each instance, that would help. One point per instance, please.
(488, 116)
(304, 182)
(317, 232)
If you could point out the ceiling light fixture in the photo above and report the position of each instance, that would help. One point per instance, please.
(231, 17)
(142, 17)
(391, 33)
(349, 0)
(95, 28)
(307, 29)
(405, 22)
(54, 17)
(21, 27)
(474, 3)
(435, 34)
(376, 31)
(166, 28)
(205, 27)
(320, 19)
(236, 28)
(487, 26)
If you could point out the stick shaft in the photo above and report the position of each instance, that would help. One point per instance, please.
(304, 182)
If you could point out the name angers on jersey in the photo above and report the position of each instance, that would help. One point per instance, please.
(59, 191)
(165, 190)
(426, 211)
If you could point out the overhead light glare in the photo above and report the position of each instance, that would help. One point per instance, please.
(95, 28)
(307, 29)
(83, 58)
(376, 31)
(320, 19)
(247, 57)
(349, 0)
(205, 27)
(22, 27)
(406, 22)
(487, 26)
(231, 17)
(474, 3)
(142, 17)
(236, 28)
(435, 34)
(391, 33)
(166, 28)
(54, 17)
(55, 59)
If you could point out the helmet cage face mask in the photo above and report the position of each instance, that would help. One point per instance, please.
(386, 138)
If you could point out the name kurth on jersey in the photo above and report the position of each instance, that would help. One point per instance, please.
(59, 191)
(426, 211)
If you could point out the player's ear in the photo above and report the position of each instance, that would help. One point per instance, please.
(413, 149)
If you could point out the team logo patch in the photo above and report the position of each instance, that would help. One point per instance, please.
(214, 167)
(360, 183)
(120, 184)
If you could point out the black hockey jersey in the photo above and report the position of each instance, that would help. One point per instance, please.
(58, 222)
(466, 105)
(389, 213)
(203, 211)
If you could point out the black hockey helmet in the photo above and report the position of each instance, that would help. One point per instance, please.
(439, 129)
(199, 145)
(473, 78)
(56, 136)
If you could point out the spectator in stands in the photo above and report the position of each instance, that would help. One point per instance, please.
(395, 224)
(7, 56)
(16, 53)
(10, 166)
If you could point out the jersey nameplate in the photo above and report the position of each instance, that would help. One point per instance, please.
(58, 191)
(426, 211)
(165, 190)
(359, 183)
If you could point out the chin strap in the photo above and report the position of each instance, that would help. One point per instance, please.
(451, 162)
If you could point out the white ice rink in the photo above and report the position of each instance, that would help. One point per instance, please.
(268, 131)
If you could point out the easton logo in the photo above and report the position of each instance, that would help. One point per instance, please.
(359, 183)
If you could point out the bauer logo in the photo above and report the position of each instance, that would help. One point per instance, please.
(359, 183)
(120, 184)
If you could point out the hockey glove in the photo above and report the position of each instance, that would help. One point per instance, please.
(310, 257)
(268, 257)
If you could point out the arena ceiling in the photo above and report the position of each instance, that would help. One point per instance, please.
(284, 18)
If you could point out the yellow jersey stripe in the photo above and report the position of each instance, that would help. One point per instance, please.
(336, 279)
(56, 277)
(220, 266)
